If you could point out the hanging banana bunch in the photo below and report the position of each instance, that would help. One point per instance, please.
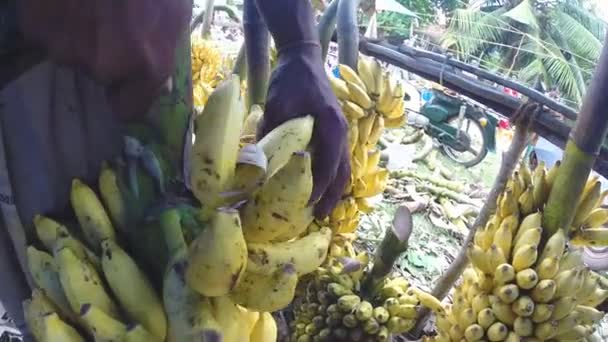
(332, 307)
(207, 64)
(371, 102)
(519, 288)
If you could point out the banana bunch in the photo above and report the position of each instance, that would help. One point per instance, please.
(587, 228)
(90, 287)
(371, 102)
(518, 286)
(332, 307)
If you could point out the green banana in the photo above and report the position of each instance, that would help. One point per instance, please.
(112, 196)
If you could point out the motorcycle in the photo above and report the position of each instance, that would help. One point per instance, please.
(463, 130)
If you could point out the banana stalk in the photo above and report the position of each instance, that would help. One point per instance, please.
(207, 19)
(257, 46)
(240, 63)
(327, 26)
(451, 185)
(580, 153)
(348, 33)
(394, 243)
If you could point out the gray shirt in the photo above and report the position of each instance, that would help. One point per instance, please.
(55, 125)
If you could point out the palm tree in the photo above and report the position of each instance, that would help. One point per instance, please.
(557, 42)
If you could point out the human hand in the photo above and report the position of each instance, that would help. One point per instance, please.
(128, 46)
(298, 87)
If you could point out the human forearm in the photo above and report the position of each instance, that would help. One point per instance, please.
(289, 21)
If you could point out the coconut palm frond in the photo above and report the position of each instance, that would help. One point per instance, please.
(532, 70)
(593, 23)
(524, 13)
(470, 30)
(564, 72)
(581, 40)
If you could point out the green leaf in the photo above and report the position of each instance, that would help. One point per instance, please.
(581, 40)
(524, 13)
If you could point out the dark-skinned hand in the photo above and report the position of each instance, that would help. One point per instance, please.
(299, 86)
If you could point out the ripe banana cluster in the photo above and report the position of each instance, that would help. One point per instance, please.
(333, 308)
(206, 69)
(370, 101)
(90, 288)
(519, 287)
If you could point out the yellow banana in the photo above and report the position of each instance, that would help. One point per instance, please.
(503, 238)
(555, 246)
(353, 137)
(350, 76)
(375, 183)
(568, 282)
(588, 314)
(281, 143)
(265, 329)
(486, 318)
(596, 218)
(587, 203)
(189, 314)
(527, 279)
(593, 236)
(526, 202)
(596, 298)
(91, 215)
(352, 111)
(479, 259)
(523, 306)
(547, 268)
(540, 191)
(365, 127)
(503, 274)
(496, 255)
(339, 87)
(508, 204)
(266, 293)
(542, 312)
(250, 317)
(376, 132)
(473, 332)
(546, 330)
(214, 154)
(280, 210)
(544, 291)
(231, 319)
(250, 127)
(44, 272)
(133, 290)
(35, 309)
(306, 253)
(529, 237)
(524, 173)
(523, 327)
(103, 327)
(507, 293)
(365, 69)
(218, 256)
(385, 102)
(428, 300)
(54, 329)
(503, 312)
(562, 307)
(497, 332)
(360, 155)
(137, 333)
(82, 284)
(573, 258)
(112, 196)
(395, 122)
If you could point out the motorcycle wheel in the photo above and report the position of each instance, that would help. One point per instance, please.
(469, 125)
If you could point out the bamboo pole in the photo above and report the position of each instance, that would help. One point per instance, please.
(509, 161)
(394, 243)
(580, 153)
(348, 33)
(327, 26)
(207, 19)
(257, 45)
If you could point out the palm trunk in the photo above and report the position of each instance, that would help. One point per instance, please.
(580, 153)
(348, 33)
(327, 26)
(257, 45)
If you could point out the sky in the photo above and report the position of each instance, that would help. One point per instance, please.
(603, 6)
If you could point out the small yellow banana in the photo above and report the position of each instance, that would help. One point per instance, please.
(592, 237)
(100, 325)
(339, 87)
(265, 330)
(395, 122)
(352, 111)
(133, 290)
(266, 293)
(250, 127)
(112, 196)
(350, 76)
(544, 291)
(587, 203)
(82, 284)
(92, 217)
(365, 128)
(306, 253)
(364, 66)
(218, 256)
(35, 309)
(54, 329)
(596, 218)
(376, 132)
(231, 318)
(137, 333)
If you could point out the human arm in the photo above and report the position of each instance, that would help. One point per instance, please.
(299, 86)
